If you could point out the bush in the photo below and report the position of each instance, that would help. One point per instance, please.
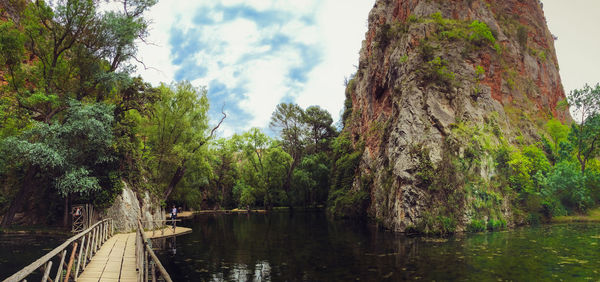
(568, 184)
(431, 224)
(496, 224)
(476, 226)
(480, 33)
(348, 204)
(437, 72)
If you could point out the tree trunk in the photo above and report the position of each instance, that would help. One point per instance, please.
(18, 200)
(66, 213)
(175, 180)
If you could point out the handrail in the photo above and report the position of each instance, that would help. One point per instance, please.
(97, 234)
(143, 250)
(158, 223)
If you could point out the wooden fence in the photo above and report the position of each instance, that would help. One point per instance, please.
(81, 246)
(147, 262)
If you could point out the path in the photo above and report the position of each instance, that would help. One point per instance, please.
(167, 232)
(115, 261)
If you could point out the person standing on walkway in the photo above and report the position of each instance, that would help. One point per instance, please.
(173, 216)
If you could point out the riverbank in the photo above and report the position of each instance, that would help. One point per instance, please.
(592, 216)
(189, 214)
(36, 230)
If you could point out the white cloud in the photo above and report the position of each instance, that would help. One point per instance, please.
(334, 28)
(249, 56)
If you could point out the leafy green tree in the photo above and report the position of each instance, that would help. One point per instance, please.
(320, 130)
(310, 183)
(584, 134)
(289, 120)
(304, 133)
(558, 133)
(73, 153)
(225, 170)
(74, 52)
(176, 132)
(568, 184)
(264, 167)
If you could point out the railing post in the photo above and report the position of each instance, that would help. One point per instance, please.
(71, 259)
(47, 271)
(153, 272)
(87, 249)
(97, 239)
(146, 266)
(79, 257)
(92, 246)
(60, 266)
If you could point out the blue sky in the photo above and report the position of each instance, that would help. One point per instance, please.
(254, 54)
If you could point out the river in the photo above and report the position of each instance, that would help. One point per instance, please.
(307, 246)
(20, 250)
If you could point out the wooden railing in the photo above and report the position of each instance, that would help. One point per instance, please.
(147, 262)
(81, 246)
(158, 224)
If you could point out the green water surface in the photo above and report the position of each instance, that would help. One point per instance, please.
(310, 247)
(20, 250)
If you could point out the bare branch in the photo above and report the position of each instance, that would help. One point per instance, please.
(144, 65)
(212, 132)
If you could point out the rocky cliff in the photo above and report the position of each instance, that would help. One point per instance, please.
(128, 207)
(439, 84)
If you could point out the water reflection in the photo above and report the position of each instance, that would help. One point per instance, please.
(310, 247)
(19, 250)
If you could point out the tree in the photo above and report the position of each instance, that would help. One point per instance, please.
(177, 130)
(319, 128)
(72, 153)
(585, 134)
(264, 167)
(225, 171)
(73, 52)
(289, 120)
(558, 133)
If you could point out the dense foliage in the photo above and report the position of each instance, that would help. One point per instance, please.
(75, 126)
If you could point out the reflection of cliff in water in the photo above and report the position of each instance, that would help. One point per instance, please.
(310, 247)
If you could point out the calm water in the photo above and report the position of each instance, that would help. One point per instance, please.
(20, 250)
(309, 247)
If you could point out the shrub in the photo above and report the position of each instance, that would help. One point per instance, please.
(425, 170)
(476, 226)
(479, 71)
(427, 51)
(480, 33)
(437, 72)
(567, 183)
(496, 224)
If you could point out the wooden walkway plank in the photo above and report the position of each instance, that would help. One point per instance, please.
(167, 232)
(115, 260)
(112, 261)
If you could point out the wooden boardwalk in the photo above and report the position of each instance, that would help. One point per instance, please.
(167, 232)
(115, 261)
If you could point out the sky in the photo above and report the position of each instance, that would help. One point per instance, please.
(254, 54)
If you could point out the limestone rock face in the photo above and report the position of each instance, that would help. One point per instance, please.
(127, 209)
(427, 71)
